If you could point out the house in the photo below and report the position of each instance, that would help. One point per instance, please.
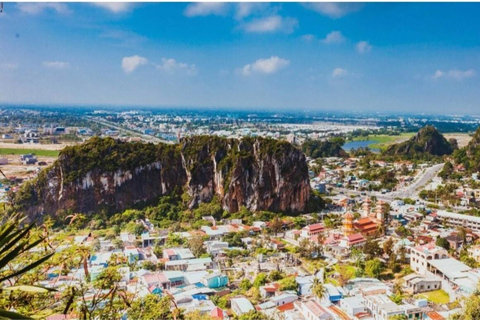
(312, 310)
(332, 293)
(157, 279)
(276, 244)
(218, 314)
(132, 254)
(353, 305)
(215, 280)
(312, 230)
(269, 290)
(354, 240)
(421, 255)
(241, 306)
(455, 241)
(177, 254)
(417, 283)
(283, 299)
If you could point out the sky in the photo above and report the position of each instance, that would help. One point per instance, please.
(389, 57)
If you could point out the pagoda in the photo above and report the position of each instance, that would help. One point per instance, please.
(366, 207)
(348, 224)
(380, 211)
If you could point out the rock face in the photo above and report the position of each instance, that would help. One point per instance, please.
(469, 156)
(106, 174)
(428, 141)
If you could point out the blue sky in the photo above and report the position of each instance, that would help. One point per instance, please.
(422, 57)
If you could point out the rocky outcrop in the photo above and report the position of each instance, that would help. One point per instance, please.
(427, 142)
(106, 174)
(469, 156)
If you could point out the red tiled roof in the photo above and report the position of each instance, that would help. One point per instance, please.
(435, 315)
(285, 307)
(315, 227)
(216, 313)
(357, 237)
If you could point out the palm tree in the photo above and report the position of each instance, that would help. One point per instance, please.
(15, 241)
(318, 289)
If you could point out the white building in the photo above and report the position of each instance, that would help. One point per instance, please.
(241, 306)
(420, 255)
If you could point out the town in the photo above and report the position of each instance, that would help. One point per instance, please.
(395, 239)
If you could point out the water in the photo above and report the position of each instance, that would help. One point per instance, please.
(359, 144)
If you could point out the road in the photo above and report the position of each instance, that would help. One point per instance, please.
(133, 133)
(411, 191)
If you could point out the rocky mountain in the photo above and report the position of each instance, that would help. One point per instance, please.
(107, 174)
(469, 156)
(426, 143)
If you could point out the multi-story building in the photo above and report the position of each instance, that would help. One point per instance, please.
(420, 255)
(459, 220)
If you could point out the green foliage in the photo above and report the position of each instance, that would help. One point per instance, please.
(288, 283)
(253, 315)
(427, 144)
(245, 284)
(442, 242)
(373, 268)
(328, 148)
(151, 307)
(260, 280)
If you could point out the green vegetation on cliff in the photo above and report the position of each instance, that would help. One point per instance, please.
(428, 143)
(469, 156)
(111, 175)
(321, 149)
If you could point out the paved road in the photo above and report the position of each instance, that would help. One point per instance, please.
(410, 191)
(134, 133)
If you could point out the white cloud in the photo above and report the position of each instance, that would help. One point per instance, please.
(266, 66)
(115, 7)
(334, 9)
(172, 66)
(363, 47)
(339, 73)
(245, 9)
(36, 8)
(308, 37)
(59, 65)
(8, 66)
(454, 74)
(129, 64)
(271, 24)
(334, 37)
(201, 9)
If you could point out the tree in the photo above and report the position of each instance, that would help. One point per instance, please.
(398, 317)
(15, 244)
(260, 280)
(344, 275)
(442, 242)
(151, 307)
(288, 283)
(275, 275)
(276, 225)
(373, 268)
(372, 249)
(253, 315)
(245, 284)
(196, 244)
(388, 246)
(318, 289)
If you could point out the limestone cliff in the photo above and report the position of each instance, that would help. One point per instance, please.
(106, 174)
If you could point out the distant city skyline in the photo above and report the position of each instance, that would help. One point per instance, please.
(397, 57)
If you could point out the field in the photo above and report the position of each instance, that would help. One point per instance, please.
(437, 296)
(37, 152)
(383, 140)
